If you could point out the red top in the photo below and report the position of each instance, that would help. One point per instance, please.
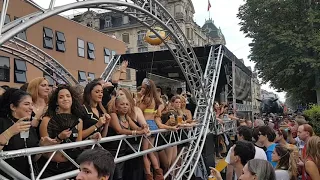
(305, 175)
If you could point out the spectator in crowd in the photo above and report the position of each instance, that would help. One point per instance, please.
(267, 137)
(15, 115)
(255, 169)
(39, 89)
(305, 132)
(286, 168)
(240, 154)
(95, 164)
(258, 123)
(249, 123)
(243, 133)
(179, 91)
(258, 169)
(169, 93)
(312, 163)
(97, 119)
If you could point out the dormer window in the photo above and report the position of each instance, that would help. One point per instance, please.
(107, 22)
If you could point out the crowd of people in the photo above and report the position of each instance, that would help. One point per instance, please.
(38, 114)
(289, 150)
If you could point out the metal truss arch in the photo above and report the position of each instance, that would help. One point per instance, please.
(38, 58)
(149, 13)
(183, 53)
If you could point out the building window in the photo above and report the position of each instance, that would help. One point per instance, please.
(107, 22)
(90, 50)
(113, 53)
(142, 49)
(7, 19)
(49, 79)
(47, 38)
(20, 68)
(80, 48)
(141, 35)
(188, 33)
(60, 41)
(125, 38)
(91, 76)
(82, 76)
(4, 69)
(22, 35)
(106, 55)
(125, 19)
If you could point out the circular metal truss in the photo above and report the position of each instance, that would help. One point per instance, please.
(39, 59)
(149, 13)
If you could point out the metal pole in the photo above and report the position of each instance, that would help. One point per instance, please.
(3, 14)
(5, 167)
(234, 101)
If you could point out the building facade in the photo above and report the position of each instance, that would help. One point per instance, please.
(132, 33)
(83, 51)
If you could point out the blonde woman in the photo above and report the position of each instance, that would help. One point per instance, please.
(39, 90)
(149, 104)
(312, 163)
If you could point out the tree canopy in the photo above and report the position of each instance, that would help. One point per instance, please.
(285, 43)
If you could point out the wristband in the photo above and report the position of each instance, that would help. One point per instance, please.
(59, 138)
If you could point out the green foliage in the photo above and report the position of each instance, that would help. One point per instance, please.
(285, 42)
(313, 116)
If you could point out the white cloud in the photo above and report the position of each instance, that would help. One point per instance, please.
(224, 14)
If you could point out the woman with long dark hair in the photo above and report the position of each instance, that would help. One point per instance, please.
(15, 117)
(63, 122)
(97, 119)
(286, 168)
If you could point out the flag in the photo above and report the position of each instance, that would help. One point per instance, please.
(209, 5)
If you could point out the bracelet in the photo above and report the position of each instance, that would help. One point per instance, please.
(133, 133)
(8, 133)
(59, 138)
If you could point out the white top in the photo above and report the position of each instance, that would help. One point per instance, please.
(282, 174)
(260, 154)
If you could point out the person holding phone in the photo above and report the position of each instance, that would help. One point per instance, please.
(15, 114)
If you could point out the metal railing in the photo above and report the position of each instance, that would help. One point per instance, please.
(175, 138)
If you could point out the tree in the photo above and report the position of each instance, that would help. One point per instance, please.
(285, 43)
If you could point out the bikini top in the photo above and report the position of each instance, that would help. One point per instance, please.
(150, 111)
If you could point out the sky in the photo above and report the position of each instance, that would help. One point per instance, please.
(224, 14)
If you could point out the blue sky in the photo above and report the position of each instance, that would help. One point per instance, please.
(223, 12)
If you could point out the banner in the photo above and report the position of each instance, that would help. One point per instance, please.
(242, 85)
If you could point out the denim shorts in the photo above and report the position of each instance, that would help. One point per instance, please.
(152, 125)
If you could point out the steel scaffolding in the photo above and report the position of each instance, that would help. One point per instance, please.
(150, 13)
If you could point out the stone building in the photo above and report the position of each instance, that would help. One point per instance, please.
(132, 32)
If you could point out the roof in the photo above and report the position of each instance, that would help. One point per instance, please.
(162, 62)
